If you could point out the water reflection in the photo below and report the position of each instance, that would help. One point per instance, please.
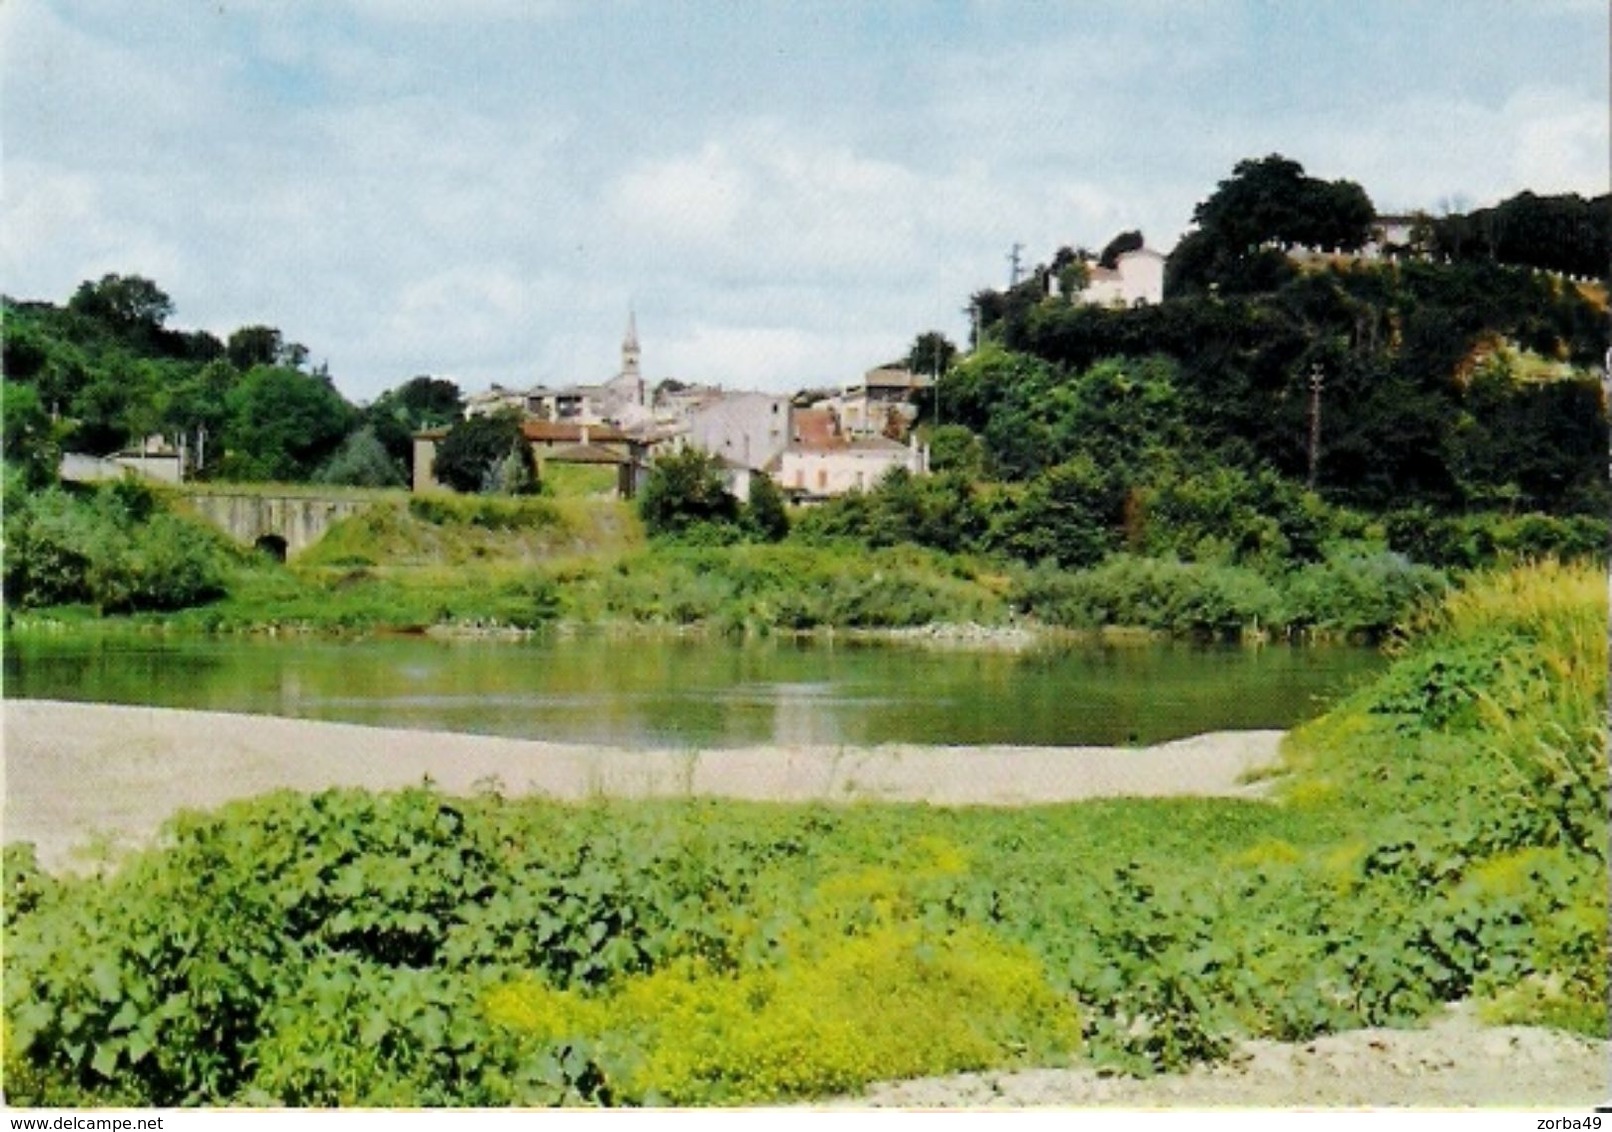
(704, 694)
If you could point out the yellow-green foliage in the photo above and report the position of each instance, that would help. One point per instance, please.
(1562, 605)
(1480, 759)
(440, 530)
(861, 989)
(573, 481)
(1265, 855)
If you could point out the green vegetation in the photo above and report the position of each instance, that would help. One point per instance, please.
(492, 562)
(249, 408)
(486, 453)
(115, 547)
(1440, 836)
(1564, 233)
(1147, 466)
(579, 481)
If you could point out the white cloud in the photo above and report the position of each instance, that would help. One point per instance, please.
(683, 201)
(481, 188)
(58, 228)
(1560, 143)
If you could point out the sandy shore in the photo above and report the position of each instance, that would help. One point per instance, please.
(1453, 1063)
(82, 773)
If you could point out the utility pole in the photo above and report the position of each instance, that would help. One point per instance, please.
(1606, 411)
(1317, 380)
(1013, 260)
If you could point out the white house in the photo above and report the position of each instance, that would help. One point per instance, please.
(1136, 277)
(822, 461)
(748, 429)
(856, 465)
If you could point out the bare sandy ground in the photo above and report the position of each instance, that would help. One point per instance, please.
(1455, 1063)
(77, 774)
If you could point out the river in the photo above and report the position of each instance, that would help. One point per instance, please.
(667, 692)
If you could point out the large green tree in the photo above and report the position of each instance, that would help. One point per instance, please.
(1266, 203)
(470, 456)
(684, 489)
(123, 302)
(931, 354)
(282, 424)
(421, 402)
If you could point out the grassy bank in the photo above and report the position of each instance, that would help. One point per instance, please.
(1439, 836)
(411, 563)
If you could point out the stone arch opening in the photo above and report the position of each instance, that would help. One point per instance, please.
(272, 545)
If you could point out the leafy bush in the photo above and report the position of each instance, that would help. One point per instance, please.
(684, 489)
(115, 548)
(1359, 594)
(863, 988)
(1187, 598)
(1469, 542)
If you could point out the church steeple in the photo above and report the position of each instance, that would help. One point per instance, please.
(629, 346)
(629, 359)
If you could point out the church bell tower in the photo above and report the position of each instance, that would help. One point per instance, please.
(630, 357)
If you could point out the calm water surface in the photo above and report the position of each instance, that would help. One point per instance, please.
(651, 693)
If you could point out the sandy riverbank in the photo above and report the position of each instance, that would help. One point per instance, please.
(75, 773)
(1455, 1062)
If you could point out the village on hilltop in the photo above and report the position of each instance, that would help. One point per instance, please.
(813, 446)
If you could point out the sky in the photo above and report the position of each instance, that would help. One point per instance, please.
(783, 193)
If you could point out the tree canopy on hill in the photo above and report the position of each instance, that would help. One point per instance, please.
(109, 371)
(1265, 205)
(1420, 408)
(1564, 233)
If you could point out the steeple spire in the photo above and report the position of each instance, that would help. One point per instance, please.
(629, 346)
(629, 355)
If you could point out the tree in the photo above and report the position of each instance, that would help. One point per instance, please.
(425, 401)
(954, 448)
(282, 425)
(468, 457)
(931, 354)
(28, 435)
(1264, 205)
(765, 513)
(1070, 514)
(514, 474)
(254, 346)
(361, 461)
(123, 303)
(1124, 242)
(419, 403)
(684, 489)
